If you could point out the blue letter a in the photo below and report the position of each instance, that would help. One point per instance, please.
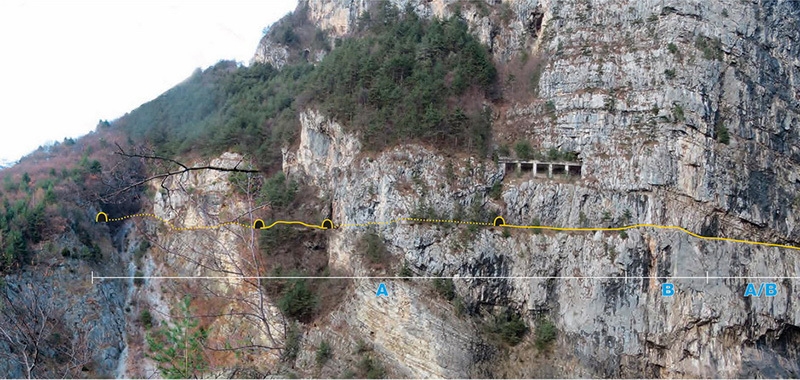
(382, 290)
(750, 291)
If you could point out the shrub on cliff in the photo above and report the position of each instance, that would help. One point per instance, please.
(508, 327)
(373, 248)
(545, 333)
(524, 150)
(279, 191)
(178, 348)
(445, 288)
(297, 300)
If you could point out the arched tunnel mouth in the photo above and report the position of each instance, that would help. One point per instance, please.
(327, 224)
(258, 224)
(499, 221)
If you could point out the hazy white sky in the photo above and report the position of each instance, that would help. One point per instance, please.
(65, 65)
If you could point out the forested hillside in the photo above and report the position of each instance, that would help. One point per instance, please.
(402, 77)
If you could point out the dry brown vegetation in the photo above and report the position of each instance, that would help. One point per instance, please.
(520, 77)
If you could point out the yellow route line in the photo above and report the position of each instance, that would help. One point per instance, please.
(172, 226)
(289, 222)
(394, 221)
(423, 220)
(657, 226)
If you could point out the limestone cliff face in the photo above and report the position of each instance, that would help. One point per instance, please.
(644, 91)
(74, 324)
(411, 330)
(683, 113)
(271, 53)
(609, 327)
(506, 27)
(223, 252)
(650, 143)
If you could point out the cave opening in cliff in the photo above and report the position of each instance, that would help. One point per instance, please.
(535, 21)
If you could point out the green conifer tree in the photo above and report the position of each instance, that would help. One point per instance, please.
(178, 346)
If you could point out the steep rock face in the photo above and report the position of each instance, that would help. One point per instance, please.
(645, 90)
(683, 113)
(506, 27)
(646, 101)
(270, 52)
(325, 150)
(411, 332)
(202, 231)
(85, 319)
(607, 326)
(368, 189)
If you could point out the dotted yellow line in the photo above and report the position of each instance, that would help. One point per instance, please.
(173, 227)
(424, 220)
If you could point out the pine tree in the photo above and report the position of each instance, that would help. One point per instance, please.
(178, 347)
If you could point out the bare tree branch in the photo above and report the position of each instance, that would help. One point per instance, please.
(213, 252)
(163, 176)
(122, 152)
(31, 322)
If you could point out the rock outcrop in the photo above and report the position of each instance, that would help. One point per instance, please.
(65, 322)
(506, 27)
(683, 114)
(271, 52)
(608, 326)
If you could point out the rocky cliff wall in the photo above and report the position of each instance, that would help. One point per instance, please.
(506, 27)
(683, 113)
(609, 326)
(66, 324)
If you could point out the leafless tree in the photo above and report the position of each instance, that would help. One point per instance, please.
(164, 167)
(32, 325)
(247, 300)
(250, 269)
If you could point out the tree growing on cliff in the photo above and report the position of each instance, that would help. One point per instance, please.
(246, 299)
(178, 347)
(233, 252)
